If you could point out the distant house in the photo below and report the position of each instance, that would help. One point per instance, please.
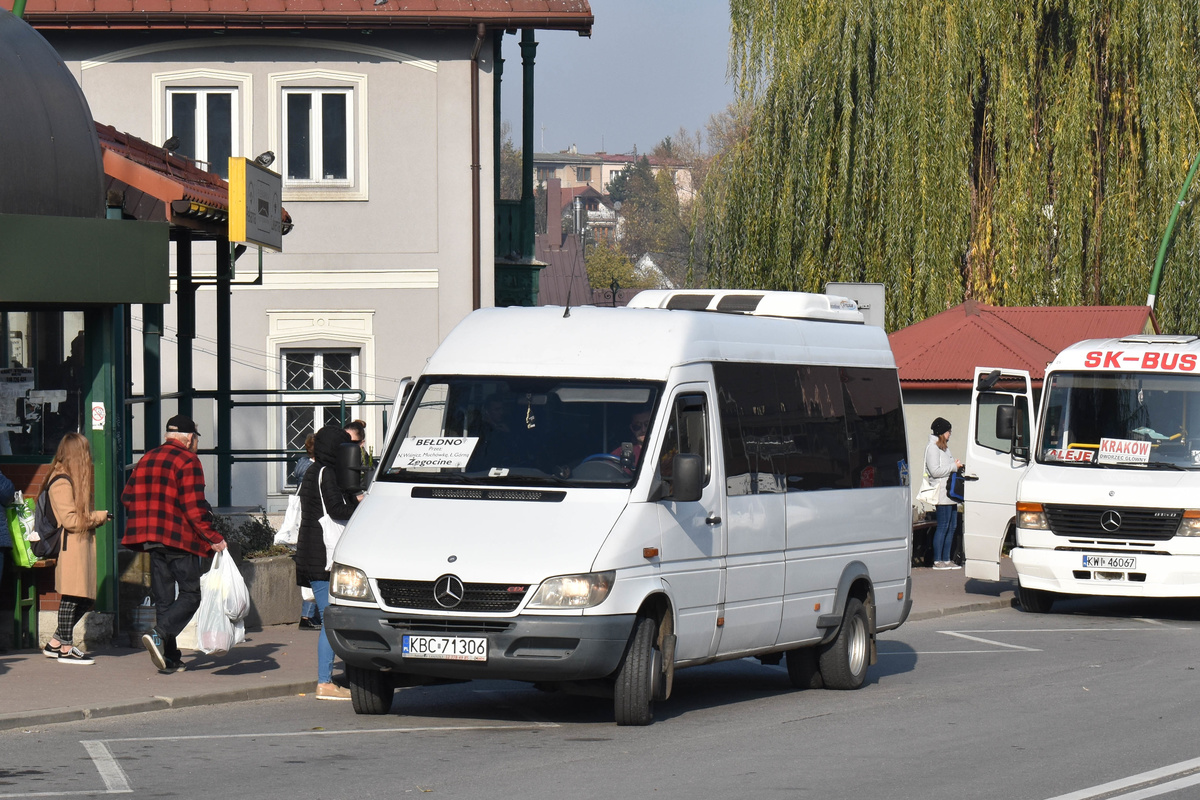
(597, 170)
(937, 357)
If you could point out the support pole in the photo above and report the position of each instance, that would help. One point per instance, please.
(152, 330)
(528, 51)
(185, 291)
(1166, 240)
(224, 375)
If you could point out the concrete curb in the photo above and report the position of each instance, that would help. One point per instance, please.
(50, 716)
(999, 602)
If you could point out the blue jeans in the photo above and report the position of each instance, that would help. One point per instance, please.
(308, 610)
(943, 537)
(324, 651)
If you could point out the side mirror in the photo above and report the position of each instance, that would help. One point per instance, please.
(349, 467)
(1005, 427)
(688, 471)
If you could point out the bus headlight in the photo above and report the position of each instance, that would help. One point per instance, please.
(574, 591)
(1190, 524)
(350, 583)
(1031, 517)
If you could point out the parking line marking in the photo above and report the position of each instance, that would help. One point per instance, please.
(110, 771)
(981, 640)
(1189, 772)
(941, 652)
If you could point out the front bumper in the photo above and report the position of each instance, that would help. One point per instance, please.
(1063, 571)
(522, 648)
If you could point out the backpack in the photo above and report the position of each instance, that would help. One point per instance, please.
(46, 526)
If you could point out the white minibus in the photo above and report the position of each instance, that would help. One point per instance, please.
(1105, 497)
(592, 498)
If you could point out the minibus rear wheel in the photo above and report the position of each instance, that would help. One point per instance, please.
(844, 661)
(371, 691)
(633, 691)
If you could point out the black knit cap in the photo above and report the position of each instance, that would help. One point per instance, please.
(940, 426)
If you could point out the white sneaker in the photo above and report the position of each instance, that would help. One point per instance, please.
(952, 565)
(941, 565)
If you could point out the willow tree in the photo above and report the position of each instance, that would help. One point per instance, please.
(1017, 153)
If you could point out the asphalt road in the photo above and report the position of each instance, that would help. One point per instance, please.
(1097, 700)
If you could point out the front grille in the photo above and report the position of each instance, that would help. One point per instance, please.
(445, 625)
(488, 598)
(1155, 524)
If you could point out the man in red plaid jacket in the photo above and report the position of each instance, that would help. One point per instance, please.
(169, 518)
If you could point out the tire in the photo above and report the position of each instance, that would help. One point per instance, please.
(1035, 601)
(633, 691)
(802, 668)
(844, 661)
(371, 691)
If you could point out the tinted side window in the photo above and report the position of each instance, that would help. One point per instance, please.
(752, 425)
(808, 428)
(875, 424)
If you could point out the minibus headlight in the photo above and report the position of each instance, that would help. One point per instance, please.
(1190, 524)
(350, 583)
(1032, 517)
(574, 591)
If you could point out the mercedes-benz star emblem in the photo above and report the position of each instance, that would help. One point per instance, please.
(1110, 521)
(448, 591)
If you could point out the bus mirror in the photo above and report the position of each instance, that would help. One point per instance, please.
(688, 472)
(1004, 422)
(349, 467)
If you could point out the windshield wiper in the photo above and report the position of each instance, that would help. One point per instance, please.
(1167, 465)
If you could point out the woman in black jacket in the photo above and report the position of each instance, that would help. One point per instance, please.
(320, 482)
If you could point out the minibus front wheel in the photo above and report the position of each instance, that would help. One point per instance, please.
(638, 675)
(371, 691)
(844, 661)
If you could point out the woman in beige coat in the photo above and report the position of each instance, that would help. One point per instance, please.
(69, 485)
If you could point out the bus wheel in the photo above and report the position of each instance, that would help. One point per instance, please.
(371, 691)
(844, 660)
(802, 668)
(633, 692)
(1035, 601)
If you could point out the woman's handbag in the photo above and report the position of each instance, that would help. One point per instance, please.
(928, 494)
(331, 529)
(954, 486)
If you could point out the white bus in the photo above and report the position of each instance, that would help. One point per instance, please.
(593, 498)
(1105, 497)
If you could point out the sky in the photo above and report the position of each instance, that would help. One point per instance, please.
(649, 67)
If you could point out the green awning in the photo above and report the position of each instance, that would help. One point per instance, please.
(72, 261)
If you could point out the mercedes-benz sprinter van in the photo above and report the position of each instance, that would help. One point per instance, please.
(592, 498)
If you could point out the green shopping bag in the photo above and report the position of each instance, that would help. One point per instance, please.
(20, 523)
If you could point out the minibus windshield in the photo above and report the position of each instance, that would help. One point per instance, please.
(1121, 420)
(511, 431)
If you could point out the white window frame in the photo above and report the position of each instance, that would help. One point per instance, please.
(201, 122)
(315, 82)
(310, 401)
(319, 329)
(240, 83)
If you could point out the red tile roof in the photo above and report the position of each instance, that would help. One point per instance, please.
(573, 15)
(942, 352)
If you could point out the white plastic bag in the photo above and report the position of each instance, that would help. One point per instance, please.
(290, 529)
(331, 529)
(230, 586)
(214, 630)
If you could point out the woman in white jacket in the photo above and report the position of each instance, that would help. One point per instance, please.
(939, 463)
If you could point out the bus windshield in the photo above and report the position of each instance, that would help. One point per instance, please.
(1122, 420)
(507, 431)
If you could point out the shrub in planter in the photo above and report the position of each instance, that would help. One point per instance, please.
(254, 536)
